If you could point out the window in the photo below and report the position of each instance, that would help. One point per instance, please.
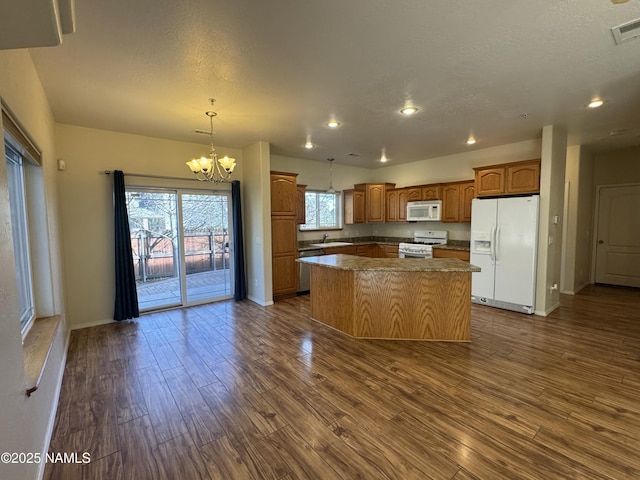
(18, 206)
(322, 211)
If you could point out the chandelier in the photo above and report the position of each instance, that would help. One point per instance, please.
(212, 168)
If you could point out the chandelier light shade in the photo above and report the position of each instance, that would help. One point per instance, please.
(212, 168)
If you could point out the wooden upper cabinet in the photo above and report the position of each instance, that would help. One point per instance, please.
(508, 179)
(467, 194)
(451, 202)
(490, 181)
(283, 193)
(523, 177)
(456, 201)
(301, 211)
(391, 205)
(431, 192)
(353, 206)
(403, 198)
(396, 204)
(374, 200)
(414, 194)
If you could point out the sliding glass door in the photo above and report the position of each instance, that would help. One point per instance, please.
(181, 246)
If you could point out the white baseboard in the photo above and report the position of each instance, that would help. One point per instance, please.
(54, 410)
(90, 324)
(547, 311)
(573, 292)
(260, 302)
(581, 287)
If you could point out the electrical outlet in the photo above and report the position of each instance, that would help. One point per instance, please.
(255, 282)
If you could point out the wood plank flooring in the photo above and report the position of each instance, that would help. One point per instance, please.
(236, 391)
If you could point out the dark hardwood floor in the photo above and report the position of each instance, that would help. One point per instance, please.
(238, 391)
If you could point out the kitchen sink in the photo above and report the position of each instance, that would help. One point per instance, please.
(330, 244)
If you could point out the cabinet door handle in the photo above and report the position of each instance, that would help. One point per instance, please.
(600, 242)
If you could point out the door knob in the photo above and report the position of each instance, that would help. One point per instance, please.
(600, 242)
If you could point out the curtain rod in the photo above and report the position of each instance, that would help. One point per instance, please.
(109, 172)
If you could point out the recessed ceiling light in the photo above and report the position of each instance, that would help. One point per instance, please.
(383, 157)
(333, 124)
(409, 110)
(308, 145)
(595, 103)
(471, 141)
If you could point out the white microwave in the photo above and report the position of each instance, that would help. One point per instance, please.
(425, 211)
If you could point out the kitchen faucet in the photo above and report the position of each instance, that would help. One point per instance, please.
(324, 237)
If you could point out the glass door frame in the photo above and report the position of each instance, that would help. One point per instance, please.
(183, 261)
(179, 244)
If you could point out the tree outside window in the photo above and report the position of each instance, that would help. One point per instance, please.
(322, 211)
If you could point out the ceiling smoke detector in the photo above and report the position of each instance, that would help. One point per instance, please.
(626, 31)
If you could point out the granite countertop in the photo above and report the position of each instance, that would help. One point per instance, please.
(305, 247)
(352, 262)
(464, 248)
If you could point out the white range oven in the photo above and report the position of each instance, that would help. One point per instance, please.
(422, 245)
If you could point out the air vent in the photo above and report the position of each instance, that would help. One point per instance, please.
(202, 132)
(626, 31)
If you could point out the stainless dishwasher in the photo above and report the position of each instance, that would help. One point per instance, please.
(305, 270)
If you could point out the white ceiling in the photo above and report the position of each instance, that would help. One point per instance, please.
(280, 69)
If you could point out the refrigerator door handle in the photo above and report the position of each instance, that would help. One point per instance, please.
(492, 249)
(497, 249)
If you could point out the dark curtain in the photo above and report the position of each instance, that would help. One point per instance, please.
(126, 305)
(240, 287)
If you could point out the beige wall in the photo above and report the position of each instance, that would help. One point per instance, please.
(87, 205)
(579, 191)
(552, 173)
(617, 167)
(257, 222)
(27, 421)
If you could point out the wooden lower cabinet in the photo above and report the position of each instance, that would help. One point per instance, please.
(346, 250)
(448, 253)
(366, 250)
(285, 216)
(284, 252)
(389, 251)
(372, 250)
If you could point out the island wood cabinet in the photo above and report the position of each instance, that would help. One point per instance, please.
(284, 239)
(456, 201)
(353, 206)
(374, 200)
(301, 212)
(508, 179)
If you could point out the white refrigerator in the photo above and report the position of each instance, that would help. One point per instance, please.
(504, 239)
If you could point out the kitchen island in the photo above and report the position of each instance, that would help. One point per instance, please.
(393, 298)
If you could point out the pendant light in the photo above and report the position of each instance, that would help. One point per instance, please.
(212, 168)
(331, 189)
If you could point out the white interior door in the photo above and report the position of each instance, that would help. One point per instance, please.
(618, 241)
